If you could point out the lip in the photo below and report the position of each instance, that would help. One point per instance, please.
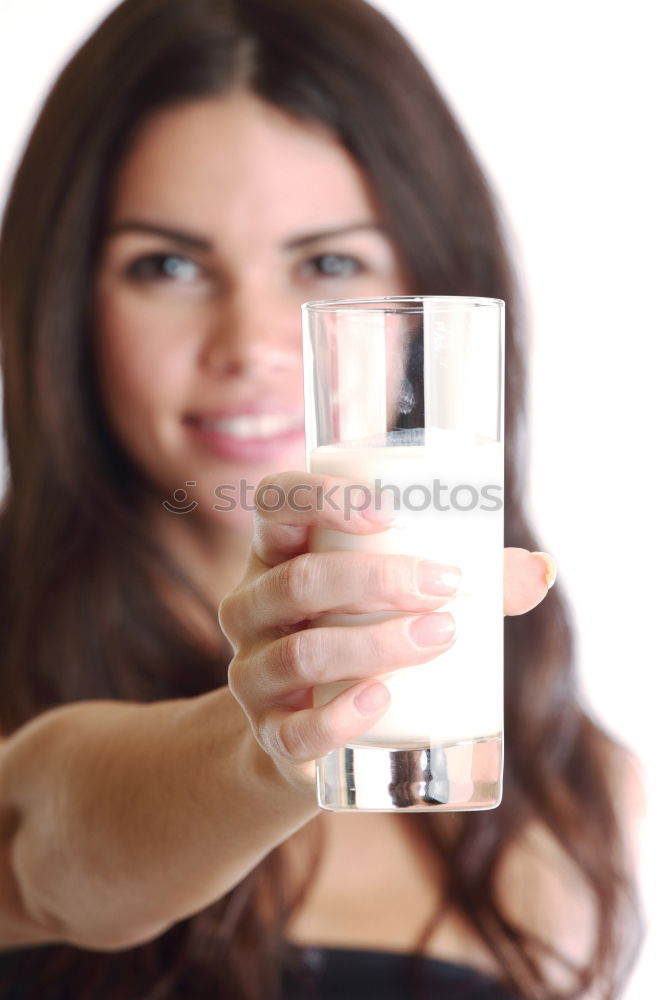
(256, 404)
(231, 447)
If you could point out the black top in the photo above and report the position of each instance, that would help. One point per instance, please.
(309, 974)
(345, 974)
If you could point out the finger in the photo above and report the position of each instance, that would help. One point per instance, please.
(305, 659)
(528, 576)
(311, 584)
(288, 504)
(313, 732)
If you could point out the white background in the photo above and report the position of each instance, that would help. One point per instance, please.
(565, 104)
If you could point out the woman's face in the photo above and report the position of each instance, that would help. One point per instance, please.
(226, 216)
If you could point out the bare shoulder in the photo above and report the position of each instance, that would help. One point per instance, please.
(537, 849)
(543, 889)
(626, 784)
(627, 778)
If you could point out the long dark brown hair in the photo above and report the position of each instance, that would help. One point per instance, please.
(79, 616)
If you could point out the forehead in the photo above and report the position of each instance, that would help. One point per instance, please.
(236, 160)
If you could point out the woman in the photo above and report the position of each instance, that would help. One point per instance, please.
(199, 170)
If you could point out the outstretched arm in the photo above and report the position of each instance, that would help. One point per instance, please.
(117, 820)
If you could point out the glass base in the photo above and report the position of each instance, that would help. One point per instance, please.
(449, 777)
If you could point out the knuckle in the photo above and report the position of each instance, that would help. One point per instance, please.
(233, 677)
(223, 617)
(270, 497)
(394, 575)
(227, 615)
(329, 486)
(306, 655)
(236, 675)
(289, 741)
(290, 655)
(297, 577)
(382, 576)
(381, 646)
(296, 738)
(266, 481)
(267, 734)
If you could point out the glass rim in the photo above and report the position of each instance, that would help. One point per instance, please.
(401, 303)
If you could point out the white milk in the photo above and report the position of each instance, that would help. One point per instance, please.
(458, 695)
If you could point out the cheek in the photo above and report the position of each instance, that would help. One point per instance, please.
(144, 359)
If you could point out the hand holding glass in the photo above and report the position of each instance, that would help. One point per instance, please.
(406, 395)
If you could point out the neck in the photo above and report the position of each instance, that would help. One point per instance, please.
(213, 556)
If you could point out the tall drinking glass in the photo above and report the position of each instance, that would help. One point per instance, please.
(406, 395)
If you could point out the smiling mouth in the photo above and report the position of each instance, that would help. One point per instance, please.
(250, 427)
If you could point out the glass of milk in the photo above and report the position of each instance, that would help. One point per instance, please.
(407, 395)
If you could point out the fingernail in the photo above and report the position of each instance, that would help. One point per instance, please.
(372, 698)
(381, 509)
(436, 578)
(551, 567)
(432, 629)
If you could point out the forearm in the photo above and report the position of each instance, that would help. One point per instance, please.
(131, 817)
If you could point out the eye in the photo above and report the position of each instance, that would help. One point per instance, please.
(164, 267)
(332, 265)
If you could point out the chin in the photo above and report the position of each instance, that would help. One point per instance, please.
(221, 493)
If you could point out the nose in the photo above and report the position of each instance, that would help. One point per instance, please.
(253, 334)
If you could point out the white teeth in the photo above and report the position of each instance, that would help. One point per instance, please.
(256, 425)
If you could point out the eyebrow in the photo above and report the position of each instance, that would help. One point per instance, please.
(154, 229)
(325, 234)
(196, 242)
